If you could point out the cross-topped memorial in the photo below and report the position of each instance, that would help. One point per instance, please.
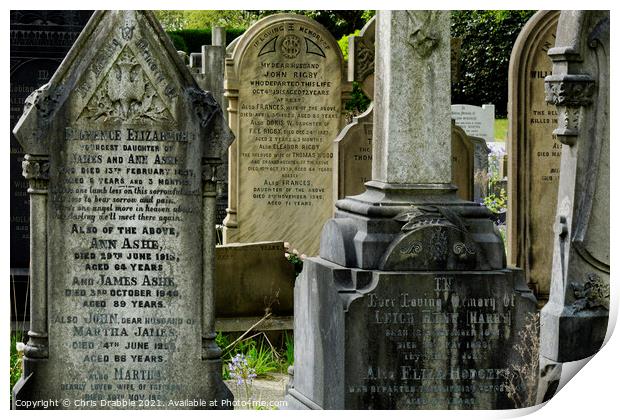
(409, 304)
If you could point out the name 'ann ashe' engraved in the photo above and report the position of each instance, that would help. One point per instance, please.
(129, 137)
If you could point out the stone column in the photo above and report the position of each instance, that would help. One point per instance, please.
(413, 74)
(210, 350)
(36, 171)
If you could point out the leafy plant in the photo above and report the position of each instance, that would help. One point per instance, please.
(289, 349)
(497, 203)
(16, 355)
(262, 360)
(484, 64)
(240, 370)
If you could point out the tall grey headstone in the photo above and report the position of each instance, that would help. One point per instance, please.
(410, 304)
(574, 321)
(121, 147)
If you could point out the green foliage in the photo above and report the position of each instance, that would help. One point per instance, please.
(496, 202)
(343, 43)
(297, 262)
(178, 42)
(289, 349)
(501, 129)
(171, 20)
(194, 39)
(15, 359)
(368, 14)
(175, 20)
(261, 356)
(200, 19)
(488, 37)
(358, 102)
(262, 359)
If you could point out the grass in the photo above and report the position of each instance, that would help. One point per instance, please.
(501, 129)
(261, 355)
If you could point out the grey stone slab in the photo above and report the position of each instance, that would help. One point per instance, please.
(121, 149)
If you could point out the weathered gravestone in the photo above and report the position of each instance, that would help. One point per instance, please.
(574, 321)
(534, 154)
(39, 41)
(251, 281)
(469, 164)
(475, 120)
(409, 304)
(286, 84)
(208, 70)
(121, 149)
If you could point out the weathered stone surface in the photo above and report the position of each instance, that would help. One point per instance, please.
(475, 120)
(410, 304)
(39, 41)
(353, 156)
(286, 84)
(470, 164)
(362, 58)
(440, 340)
(208, 70)
(574, 321)
(415, 48)
(253, 279)
(534, 154)
(121, 149)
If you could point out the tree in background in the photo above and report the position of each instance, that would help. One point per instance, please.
(488, 37)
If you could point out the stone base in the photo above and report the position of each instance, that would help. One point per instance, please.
(406, 340)
(365, 225)
(568, 335)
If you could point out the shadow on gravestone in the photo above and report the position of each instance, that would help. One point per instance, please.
(533, 153)
(574, 323)
(40, 40)
(121, 149)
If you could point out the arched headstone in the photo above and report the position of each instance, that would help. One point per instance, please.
(533, 153)
(286, 85)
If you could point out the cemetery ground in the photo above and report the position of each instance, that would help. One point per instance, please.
(254, 366)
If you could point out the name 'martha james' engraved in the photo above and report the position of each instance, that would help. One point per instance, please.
(124, 196)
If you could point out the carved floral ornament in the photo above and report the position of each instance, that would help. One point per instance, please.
(569, 93)
(569, 90)
(36, 168)
(421, 32)
(594, 293)
(439, 245)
